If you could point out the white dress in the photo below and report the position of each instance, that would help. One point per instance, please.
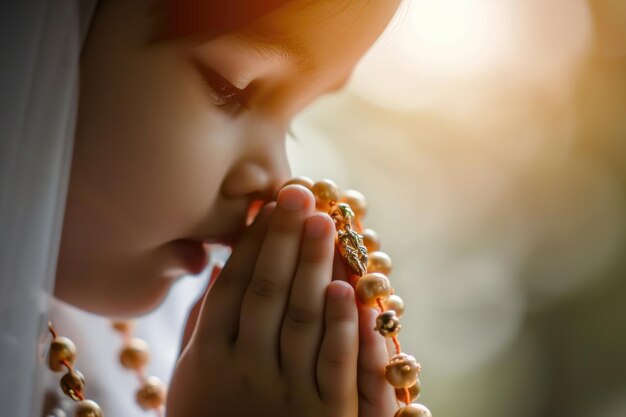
(98, 346)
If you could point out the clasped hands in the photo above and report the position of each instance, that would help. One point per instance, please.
(279, 333)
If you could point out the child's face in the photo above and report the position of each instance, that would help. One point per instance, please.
(163, 162)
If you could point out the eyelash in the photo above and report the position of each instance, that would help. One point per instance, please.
(224, 94)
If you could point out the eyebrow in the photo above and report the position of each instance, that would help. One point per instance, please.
(283, 48)
(273, 47)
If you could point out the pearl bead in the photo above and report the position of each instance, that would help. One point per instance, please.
(402, 370)
(124, 326)
(151, 394)
(388, 324)
(88, 408)
(395, 303)
(356, 201)
(379, 262)
(135, 354)
(372, 286)
(413, 410)
(303, 181)
(325, 192)
(414, 392)
(72, 383)
(371, 240)
(61, 349)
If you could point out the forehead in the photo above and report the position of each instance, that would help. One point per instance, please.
(318, 31)
(308, 33)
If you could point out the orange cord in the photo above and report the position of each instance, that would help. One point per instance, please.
(70, 368)
(54, 334)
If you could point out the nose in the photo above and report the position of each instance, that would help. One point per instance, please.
(259, 172)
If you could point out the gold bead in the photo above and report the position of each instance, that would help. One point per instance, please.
(73, 383)
(88, 408)
(379, 262)
(356, 201)
(151, 394)
(413, 410)
(395, 303)
(326, 191)
(402, 370)
(61, 349)
(303, 181)
(372, 286)
(414, 392)
(124, 326)
(371, 240)
(388, 324)
(135, 354)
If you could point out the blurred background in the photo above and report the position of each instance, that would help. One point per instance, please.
(489, 137)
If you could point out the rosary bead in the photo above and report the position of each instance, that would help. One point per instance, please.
(303, 181)
(356, 201)
(414, 392)
(402, 370)
(124, 326)
(325, 192)
(371, 240)
(395, 303)
(61, 349)
(372, 286)
(72, 383)
(135, 354)
(413, 410)
(88, 408)
(151, 394)
(388, 324)
(379, 262)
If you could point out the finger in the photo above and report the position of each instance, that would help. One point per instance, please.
(219, 315)
(341, 271)
(303, 324)
(266, 297)
(194, 313)
(337, 361)
(376, 395)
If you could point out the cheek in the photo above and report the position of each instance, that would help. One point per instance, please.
(154, 162)
(148, 163)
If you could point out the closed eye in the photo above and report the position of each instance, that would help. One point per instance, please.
(222, 92)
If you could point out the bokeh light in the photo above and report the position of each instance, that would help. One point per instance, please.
(489, 139)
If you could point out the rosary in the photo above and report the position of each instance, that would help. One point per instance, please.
(369, 267)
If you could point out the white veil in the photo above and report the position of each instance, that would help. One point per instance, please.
(40, 42)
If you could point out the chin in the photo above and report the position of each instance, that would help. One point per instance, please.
(118, 299)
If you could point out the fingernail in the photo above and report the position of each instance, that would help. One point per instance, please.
(340, 290)
(291, 198)
(315, 226)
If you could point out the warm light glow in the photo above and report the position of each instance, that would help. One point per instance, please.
(439, 51)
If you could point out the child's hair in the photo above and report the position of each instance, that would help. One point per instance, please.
(209, 18)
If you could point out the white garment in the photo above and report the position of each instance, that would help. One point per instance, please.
(98, 346)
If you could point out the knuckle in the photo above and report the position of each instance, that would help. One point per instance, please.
(289, 223)
(299, 317)
(345, 319)
(266, 287)
(338, 359)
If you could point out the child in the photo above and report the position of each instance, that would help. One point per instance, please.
(176, 137)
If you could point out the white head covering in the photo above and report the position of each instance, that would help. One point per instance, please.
(40, 43)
